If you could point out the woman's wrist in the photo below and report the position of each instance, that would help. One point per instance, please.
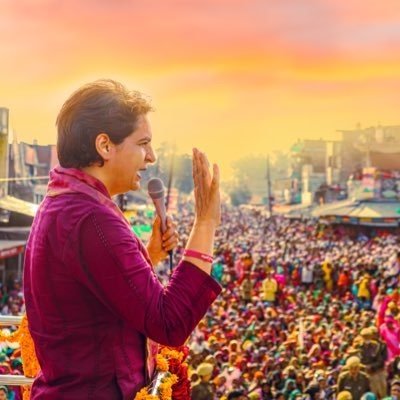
(205, 224)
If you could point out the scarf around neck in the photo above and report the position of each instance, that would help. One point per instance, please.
(72, 180)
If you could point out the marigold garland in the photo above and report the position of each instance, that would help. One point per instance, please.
(30, 363)
(164, 390)
(162, 363)
(144, 395)
(170, 353)
(174, 381)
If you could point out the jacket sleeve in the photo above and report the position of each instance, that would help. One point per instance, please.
(340, 385)
(113, 268)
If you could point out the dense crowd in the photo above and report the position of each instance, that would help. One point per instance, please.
(307, 311)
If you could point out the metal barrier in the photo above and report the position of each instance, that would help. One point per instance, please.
(9, 320)
(13, 380)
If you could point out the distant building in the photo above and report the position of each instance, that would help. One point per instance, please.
(14, 213)
(321, 169)
(377, 147)
(30, 161)
(314, 172)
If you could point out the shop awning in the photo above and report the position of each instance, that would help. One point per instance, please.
(370, 213)
(11, 248)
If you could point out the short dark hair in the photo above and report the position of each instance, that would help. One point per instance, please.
(101, 106)
(235, 394)
(395, 382)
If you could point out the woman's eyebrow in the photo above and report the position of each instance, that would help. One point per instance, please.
(146, 138)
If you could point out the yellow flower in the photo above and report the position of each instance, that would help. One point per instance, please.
(28, 354)
(162, 363)
(29, 360)
(169, 353)
(144, 395)
(165, 389)
(26, 392)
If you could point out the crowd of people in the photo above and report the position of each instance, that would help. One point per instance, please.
(306, 312)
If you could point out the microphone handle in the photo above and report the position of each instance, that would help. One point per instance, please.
(161, 212)
(171, 266)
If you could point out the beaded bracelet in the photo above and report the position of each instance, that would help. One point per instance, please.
(198, 255)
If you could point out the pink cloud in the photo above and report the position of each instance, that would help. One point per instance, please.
(157, 30)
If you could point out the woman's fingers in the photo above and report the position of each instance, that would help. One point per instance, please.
(171, 237)
(203, 174)
(202, 190)
(171, 228)
(194, 168)
(205, 170)
(171, 243)
(215, 178)
(206, 184)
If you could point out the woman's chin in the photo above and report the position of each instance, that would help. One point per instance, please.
(135, 185)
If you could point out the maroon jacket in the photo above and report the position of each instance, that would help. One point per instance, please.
(92, 298)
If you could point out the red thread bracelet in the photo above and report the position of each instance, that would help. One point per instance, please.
(197, 254)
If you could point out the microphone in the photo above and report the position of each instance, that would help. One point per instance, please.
(156, 191)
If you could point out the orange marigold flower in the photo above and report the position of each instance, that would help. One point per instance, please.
(144, 395)
(169, 353)
(162, 363)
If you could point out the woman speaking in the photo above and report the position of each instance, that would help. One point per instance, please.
(95, 307)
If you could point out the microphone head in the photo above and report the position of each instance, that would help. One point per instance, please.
(155, 188)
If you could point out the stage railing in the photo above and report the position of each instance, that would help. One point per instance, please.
(13, 380)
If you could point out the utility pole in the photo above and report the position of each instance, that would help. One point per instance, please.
(170, 176)
(269, 188)
(4, 131)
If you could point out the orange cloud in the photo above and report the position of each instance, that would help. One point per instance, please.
(233, 77)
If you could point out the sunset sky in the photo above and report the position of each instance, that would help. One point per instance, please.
(233, 77)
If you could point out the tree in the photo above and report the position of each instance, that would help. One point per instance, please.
(161, 167)
(183, 173)
(253, 171)
(240, 194)
(182, 168)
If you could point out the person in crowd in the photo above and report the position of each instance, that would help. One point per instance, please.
(246, 288)
(203, 390)
(344, 395)
(353, 380)
(237, 395)
(269, 288)
(3, 393)
(373, 356)
(394, 390)
(307, 274)
(390, 333)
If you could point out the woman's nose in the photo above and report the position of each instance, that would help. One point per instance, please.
(151, 156)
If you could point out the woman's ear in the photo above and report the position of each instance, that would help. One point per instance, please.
(103, 146)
